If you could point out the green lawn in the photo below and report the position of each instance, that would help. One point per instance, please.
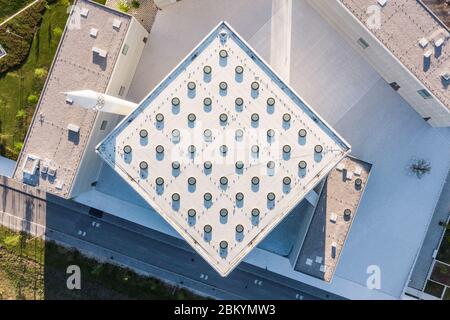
(10, 7)
(20, 88)
(33, 269)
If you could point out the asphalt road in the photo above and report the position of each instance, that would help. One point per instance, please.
(165, 257)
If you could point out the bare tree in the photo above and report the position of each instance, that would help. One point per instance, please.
(420, 167)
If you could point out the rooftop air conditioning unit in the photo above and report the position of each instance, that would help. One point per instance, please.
(427, 54)
(84, 12)
(51, 172)
(73, 128)
(423, 43)
(102, 53)
(93, 33)
(116, 24)
(439, 42)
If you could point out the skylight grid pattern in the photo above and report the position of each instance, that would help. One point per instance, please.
(221, 150)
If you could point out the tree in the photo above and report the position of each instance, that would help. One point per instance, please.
(420, 167)
(135, 4)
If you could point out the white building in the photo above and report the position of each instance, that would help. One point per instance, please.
(345, 84)
(405, 43)
(223, 149)
(99, 50)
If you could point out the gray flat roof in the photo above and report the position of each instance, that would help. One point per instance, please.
(330, 227)
(404, 24)
(75, 67)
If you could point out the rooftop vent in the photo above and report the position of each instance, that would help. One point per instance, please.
(100, 52)
(44, 167)
(207, 228)
(143, 165)
(207, 101)
(127, 149)
(116, 24)
(207, 165)
(84, 12)
(31, 164)
(159, 181)
(302, 133)
(73, 128)
(191, 85)
(51, 171)
(175, 101)
(143, 133)
(93, 33)
(59, 184)
(223, 53)
(175, 197)
(423, 43)
(159, 117)
(207, 69)
(439, 42)
(175, 165)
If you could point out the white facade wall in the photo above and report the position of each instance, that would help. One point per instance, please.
(127, 63)
(122, 76)
(382, 60)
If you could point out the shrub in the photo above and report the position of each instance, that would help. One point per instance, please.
(18, 147)
(135, 4)
(32, 99)
(21, 114)
(57, 32)
(124, 6)
(40, 73)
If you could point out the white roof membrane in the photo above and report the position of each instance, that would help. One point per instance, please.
(223, 149)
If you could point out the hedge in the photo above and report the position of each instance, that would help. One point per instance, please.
(17, 42)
